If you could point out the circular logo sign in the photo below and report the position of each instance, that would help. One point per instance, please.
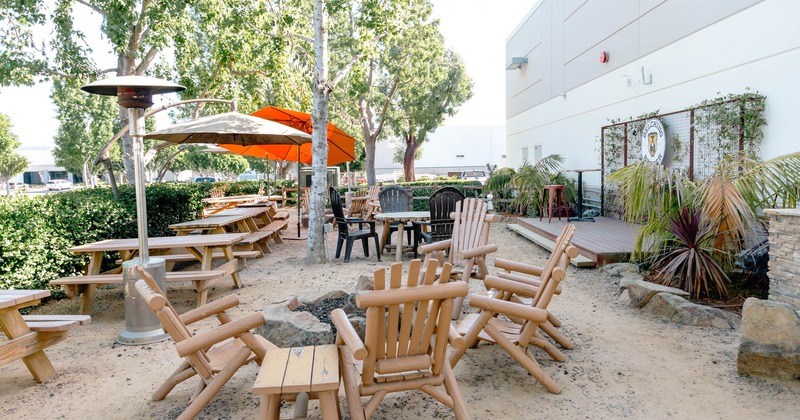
(654, 141)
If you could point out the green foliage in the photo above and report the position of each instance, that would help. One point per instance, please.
(689, 262)
(32, 250)
(36, 231)
(721, 122)
(11, 163)
(729, 201)
(530, 179)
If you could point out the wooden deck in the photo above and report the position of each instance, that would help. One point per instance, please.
(606, 240)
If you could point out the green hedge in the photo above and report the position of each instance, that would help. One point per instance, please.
(35, 231)
(421, 204)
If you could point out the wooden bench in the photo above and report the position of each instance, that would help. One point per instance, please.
(50, 323)
(217, 255)
(76, 285)
(261, 237)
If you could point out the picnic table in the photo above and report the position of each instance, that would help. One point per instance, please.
(200, 248)
(401, 217)
(27, 339)
(216, 205)
(253, 221)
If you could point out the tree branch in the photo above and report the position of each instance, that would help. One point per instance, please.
(386, 104)
(147, 60)
(138, 29)
(93, 7)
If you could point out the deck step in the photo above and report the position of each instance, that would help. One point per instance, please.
(579, 261)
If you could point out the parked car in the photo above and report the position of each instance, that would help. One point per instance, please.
(474, 175)
(17, 186)
(205, 179)
(58, 184)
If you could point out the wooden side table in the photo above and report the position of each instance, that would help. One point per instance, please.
(286, 372)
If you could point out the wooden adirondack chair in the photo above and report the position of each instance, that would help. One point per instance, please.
(407, 349)
(468, 247)
(372, 205)
(214, 355)
(515, 337)
(357, 207)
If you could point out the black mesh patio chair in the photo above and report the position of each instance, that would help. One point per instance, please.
(347, 233)
(442, 202)
(393, 199)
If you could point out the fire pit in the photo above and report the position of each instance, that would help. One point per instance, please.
(305, 320)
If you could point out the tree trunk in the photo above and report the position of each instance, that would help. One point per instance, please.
(369, 162)
(315, 251)
(408, 158)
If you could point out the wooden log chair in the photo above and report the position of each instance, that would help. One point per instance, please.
(532, 275)
(405, 343)
(347, 234)
(373, 206)
(515, 337)
(468, 246)
(214, 355)
(440, 228)
(357, 207)
(395, 198)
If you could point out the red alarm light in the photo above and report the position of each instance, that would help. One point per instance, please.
(603, 57)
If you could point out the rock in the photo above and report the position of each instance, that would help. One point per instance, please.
(770, 343)
(641, 291)
(679, 310)
(628, 279)
(286, 328)
(365, 282)
(617, 269)
(316, 297)
(360, 325)
(623, 298)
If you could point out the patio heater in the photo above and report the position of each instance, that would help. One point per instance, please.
(135, 93)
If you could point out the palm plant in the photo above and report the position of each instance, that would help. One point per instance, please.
(728, 201)
(689, 262)
(529, 180)
(498, 185)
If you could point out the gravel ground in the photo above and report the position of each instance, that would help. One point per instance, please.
(624, 365)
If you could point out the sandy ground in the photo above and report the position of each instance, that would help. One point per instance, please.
(625, 364)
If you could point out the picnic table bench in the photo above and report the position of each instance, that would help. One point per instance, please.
(29, 335)
(202, 247)
(253, 221)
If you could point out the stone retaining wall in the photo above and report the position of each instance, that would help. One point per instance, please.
(784, 256)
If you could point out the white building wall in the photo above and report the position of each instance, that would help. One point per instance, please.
(449, 149)
(758, 48)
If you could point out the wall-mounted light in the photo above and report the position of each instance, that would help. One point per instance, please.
(516, 62)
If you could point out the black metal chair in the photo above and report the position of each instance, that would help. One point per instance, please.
(441, 203)
(347, 234)
(393, 199)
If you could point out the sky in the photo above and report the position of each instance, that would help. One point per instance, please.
(477, 32)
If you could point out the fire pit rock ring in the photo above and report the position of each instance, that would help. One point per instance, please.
(304, 320)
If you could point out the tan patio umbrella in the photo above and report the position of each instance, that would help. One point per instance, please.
(233, 128)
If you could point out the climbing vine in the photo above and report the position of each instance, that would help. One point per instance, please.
(723, 122)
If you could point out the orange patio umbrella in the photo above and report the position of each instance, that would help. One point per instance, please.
(341, 146)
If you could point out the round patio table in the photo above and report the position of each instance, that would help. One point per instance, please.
(401, 218)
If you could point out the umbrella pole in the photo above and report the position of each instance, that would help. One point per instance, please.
(299, 196)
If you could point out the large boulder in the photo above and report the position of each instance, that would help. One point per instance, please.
(286, 328)
(676, 309)
(640, 292)
(770, 340)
